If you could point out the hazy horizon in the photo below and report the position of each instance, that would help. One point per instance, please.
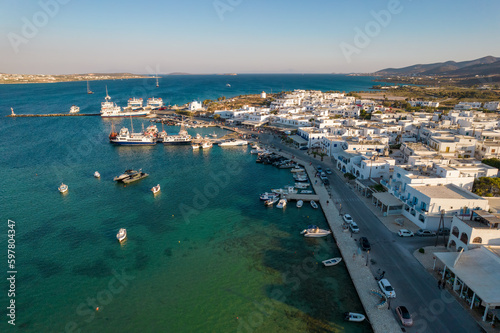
(236, 36)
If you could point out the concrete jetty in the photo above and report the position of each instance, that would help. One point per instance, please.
(382, 320)
(301, 196)
(53, 115)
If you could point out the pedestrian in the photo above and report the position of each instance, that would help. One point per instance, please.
(327, 202)
(354, 256)
(439, 284)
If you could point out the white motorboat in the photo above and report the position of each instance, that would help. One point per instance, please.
(300, 177)
(155, 189)
(314, 204)
(206, 145)
(233, 143)
(97, 174)
(63, 188)
(271, 201)
(297, 169)
(121, 235)
(332, 261)
(306, 192)
(302, 185)
(74, 109)
(267, 196)
(195, 146)
(287, 190)
(314, 231)
(281, 203)
(300, 203)
(352, 316)
(130, 176)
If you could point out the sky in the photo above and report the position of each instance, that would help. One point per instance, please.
(241, 36)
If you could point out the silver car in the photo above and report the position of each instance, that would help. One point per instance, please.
(386, 288)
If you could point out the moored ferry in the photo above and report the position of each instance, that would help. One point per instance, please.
(134, 103)
(155, 103)
(110, 109)
(137, 139)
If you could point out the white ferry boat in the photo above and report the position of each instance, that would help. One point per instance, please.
(135, 103)
(137, 139)
(155, 103)
(74, 109)
(110, 109)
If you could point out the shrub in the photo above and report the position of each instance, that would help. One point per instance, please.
(421, 250)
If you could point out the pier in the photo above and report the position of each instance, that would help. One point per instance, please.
(53, 115)
(303, 197)
(381, 320)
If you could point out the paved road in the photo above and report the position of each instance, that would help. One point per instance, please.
(433, 310)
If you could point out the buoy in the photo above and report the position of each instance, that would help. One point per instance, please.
(97, 309)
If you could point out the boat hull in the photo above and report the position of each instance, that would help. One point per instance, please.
(177, 143)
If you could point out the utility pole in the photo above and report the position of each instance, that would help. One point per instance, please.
(441, 227)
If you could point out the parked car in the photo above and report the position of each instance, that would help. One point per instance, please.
(364, 243)
(425, 232)
(325, 181)
(405, 233)
(404, 315)
(354, 227)
(347, 218)
(328, 171)
(319, 168)
(304, 148)
(444, 231)
(323, 174)
(386, 288)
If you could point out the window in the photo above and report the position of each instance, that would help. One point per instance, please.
(455, 232)
(335, 145)
(464, 238)
(477, 240)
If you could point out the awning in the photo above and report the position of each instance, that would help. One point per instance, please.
(387, 199)
(299, 140)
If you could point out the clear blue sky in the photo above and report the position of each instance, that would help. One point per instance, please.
(245, 36)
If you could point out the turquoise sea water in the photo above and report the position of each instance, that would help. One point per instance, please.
(202, 256)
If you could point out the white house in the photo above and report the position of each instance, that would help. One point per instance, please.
(195, 106)
(478, 228)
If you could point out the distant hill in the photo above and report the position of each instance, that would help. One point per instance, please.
(482, 66)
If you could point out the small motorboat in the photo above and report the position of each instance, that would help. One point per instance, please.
(271, 201)
(314, 231)
(195, 147)
(121, 235)
(97, 174)
(63, 188)
(302, 185)
(306, 192)
(206, 145)
(300, 203)
(155, 189)
(297, 169)
(314, 204)
(332, 262)
(352, 316)
(281, 203)
(267, 196)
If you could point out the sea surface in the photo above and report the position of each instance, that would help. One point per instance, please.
(204, 255)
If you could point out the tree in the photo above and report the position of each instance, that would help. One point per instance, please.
(494, 162)
(216, 116)
(487, 186)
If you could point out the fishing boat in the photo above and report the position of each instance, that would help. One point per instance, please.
(352, 316)
(306, 192)
(271, 201)
(97, 174)
(314, 204)
(314, 231)
(195, 146)
(228, 85)
(74, 109)
(332, 261)
(130, 176)
(183, 138)
(121, 235)
(302, 185)
(300, 203)
(126, 138)
(213, 135)
(300, 177)
(287, 190)
(267, 196)
(63, 188)
(281, 203)
(156, 189)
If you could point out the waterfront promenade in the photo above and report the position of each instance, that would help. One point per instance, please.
(381, 320)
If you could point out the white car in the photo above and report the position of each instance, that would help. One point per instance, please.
(354, 227)
(386, 288)
(347, 218)
(405, 233)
